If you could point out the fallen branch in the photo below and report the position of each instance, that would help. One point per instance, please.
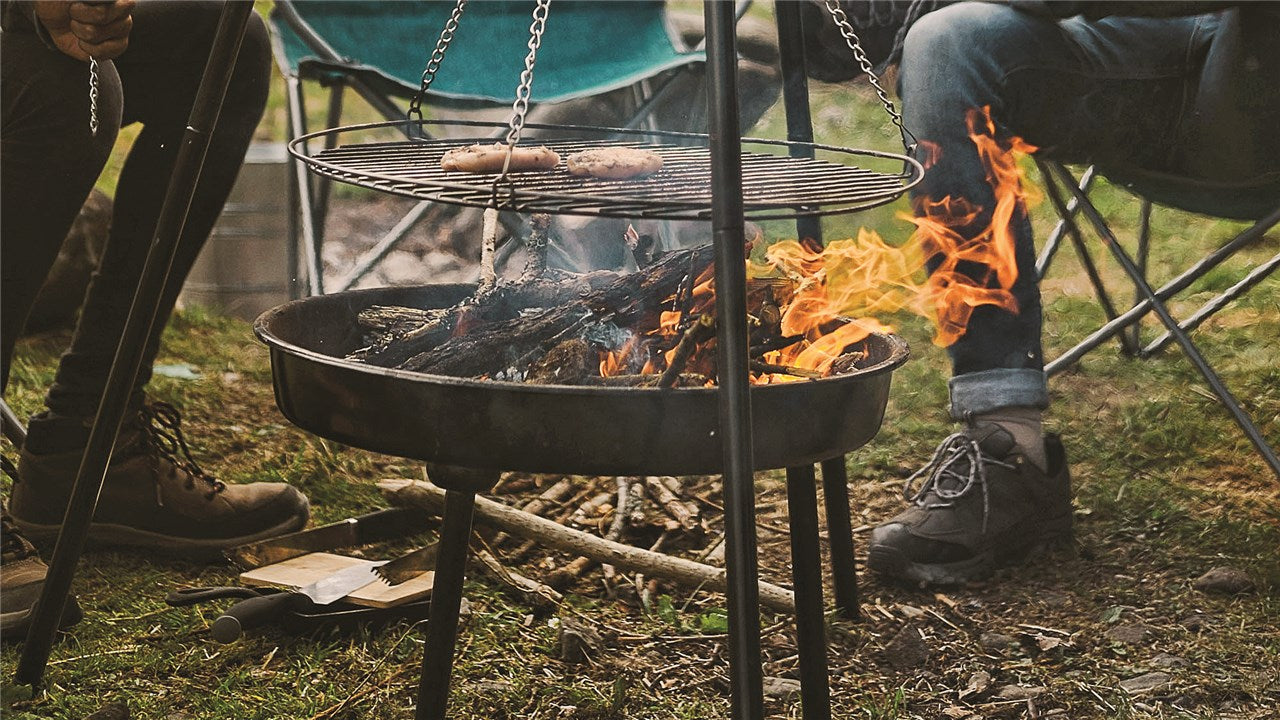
(693, 575)
(666, 497)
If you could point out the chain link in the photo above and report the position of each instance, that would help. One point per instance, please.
(93, 97)
(851, 39)
(437, 56)
(520, 108)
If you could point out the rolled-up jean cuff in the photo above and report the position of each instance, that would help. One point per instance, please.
(981, 392)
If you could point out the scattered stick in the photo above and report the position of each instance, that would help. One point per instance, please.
(619, 519)
(533, 591)
(671, 502)
(683, 572)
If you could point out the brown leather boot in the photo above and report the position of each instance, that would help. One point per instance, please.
(155, 496)
(22, 574)
(982, 506)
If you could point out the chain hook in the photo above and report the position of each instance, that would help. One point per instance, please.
(433, 64)
(909, 141)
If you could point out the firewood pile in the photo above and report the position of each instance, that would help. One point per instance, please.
(626, 536)
(654, 327)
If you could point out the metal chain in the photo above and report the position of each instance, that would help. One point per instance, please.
(93, 96)
(520, 107)
(437, 56)
(851, 39)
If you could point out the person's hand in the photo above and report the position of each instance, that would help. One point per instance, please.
(88, 29)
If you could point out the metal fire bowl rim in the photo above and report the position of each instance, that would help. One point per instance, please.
(608, 198)
(898, 354)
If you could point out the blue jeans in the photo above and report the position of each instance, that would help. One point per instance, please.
(1115, 92)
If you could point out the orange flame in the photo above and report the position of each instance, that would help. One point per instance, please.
(831, 297)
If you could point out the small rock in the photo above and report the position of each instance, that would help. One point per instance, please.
(1195, 622)
(978, 684)
(907, 649)
(1225, 580)
(111, 711)
(1055, 599)
(780, 687)
(578, 641)
(1129, 633)
(1165, 660)
(1020, 692)
(1145, 683)
(997, 642)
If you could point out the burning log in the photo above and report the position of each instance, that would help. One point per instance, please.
(702, 330)
(495, 347)
(689, 574)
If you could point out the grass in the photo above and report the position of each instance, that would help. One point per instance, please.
(1166, 487)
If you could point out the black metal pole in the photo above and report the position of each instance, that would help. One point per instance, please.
(1189, 348)
(844, 558)
(728, 234)
(795, 98)
(128, 356)
(806, 577)
(446, 598)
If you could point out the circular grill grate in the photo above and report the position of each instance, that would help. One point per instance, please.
(822, 180)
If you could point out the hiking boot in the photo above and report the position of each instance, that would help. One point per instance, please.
(155, 496)
(982, 506)
(22, 575)
(880, 26)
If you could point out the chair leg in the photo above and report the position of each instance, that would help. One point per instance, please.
(1254, 277)
(1054, 241)
(12, 427)
(844, 567)
(1144, 251)
(1184, 341)
(806, 573)
(1166, 291)
(309, 239)
(446, 599)
(1127, 345)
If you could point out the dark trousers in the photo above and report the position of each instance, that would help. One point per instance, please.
(50, 162)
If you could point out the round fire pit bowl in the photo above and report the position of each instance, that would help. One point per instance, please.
(496, 425)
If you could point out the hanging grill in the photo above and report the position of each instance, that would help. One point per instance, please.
(780, 180)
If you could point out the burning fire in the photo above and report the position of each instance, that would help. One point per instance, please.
(828, 298)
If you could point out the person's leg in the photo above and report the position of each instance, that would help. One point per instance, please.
(155, 495)
(50, 163)
(1114, 91)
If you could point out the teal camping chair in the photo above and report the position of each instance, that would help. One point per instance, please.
(380, 50)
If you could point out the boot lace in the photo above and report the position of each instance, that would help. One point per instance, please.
(12, 545)
(162, 428)
(957, 466)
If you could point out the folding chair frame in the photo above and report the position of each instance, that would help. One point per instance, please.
(1057, 178)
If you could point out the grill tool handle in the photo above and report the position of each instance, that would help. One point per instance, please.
(391, 524)
(257, 611)
(183, 597)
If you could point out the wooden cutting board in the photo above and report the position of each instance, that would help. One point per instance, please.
(306, 569)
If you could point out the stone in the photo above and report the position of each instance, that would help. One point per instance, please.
(1224, 580)
(997, 642)
(781, 688)
(1020, 692)
(1165, 660)
(578, 641)
(110, 711)
(907, 649)
(1145, 683)
(1129, 633)
(978, 684)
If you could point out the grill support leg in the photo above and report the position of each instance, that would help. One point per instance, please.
(446, 599)
(844, 567)
(806, 574)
